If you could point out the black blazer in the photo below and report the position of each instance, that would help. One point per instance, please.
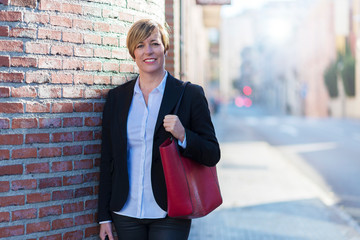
(202, 145)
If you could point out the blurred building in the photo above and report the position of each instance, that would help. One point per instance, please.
(192, 48)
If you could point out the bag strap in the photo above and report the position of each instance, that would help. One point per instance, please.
(180, 98)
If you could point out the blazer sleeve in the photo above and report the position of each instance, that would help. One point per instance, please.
(105, 164)
(202, 145)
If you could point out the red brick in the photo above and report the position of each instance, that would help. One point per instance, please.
(126, 67)
(99, 107)
(62, 50)
(12, 231)
(4, 217)
(118, 54)
(50, 122)
(49, 92)
(5, 186)
(73, 92)
(38, 197)
(11, 139)
(24, 3)
(12, 201)
(73, 122)
(93, 121)
(37, 227)
(4, 154)
(52, 237)
(50, 5)
(23, 62)
(102, 80)
(101, 27)
(83, 107)
(73, 235)
(9, 16)
(4, 61)
(92, 66)
(37, 138)
(73, 64)
(61, 78)
(91, 204)
(23, 184)
(73, 37)
(83, 164)
(92, 149)
(92, 93)
(72, 150)
(61, 166)
(50, 63)
(73, 207)
(24, 123)
(84, 219)
(83, 52)
(44, 33)
(11, 107)
(4, 92)
(50, 182)
(111, 41)
(61, 21)
(102, 53)
(62, 137)
(24, 214)
(37, 48)
(91, 177)
(23, 33)
(110, 67)
(24, 153)
(14, 77)
(84, 79)
(71, 8)
(4, 31)
(50, 211)
(11, 170)
(86, 191)
(91, 231)
(83, 136)
(24, 92)
(50, 152)
(37, 107)
(38, 168)
(62, 195)
(37, 77)
(62, 107)
(4, 123)
(72, 180)
(62, 223)
(92, 38)
(36, 17)
(11, 46)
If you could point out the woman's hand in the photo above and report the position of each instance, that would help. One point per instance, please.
(105, 230)
(173, 125)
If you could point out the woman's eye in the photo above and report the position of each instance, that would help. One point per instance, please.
(139, 46)
(156, 44)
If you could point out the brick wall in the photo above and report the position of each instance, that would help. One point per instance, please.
(58, 59)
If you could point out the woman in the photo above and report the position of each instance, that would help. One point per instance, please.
(136, 120)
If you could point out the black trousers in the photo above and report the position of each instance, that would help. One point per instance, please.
(167, 228)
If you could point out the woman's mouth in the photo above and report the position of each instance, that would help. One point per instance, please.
(149, 60)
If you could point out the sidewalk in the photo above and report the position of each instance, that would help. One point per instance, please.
(267, 198)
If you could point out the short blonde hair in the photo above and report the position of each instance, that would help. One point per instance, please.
(142, 29)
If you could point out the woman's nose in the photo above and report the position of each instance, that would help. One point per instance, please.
(148, 49)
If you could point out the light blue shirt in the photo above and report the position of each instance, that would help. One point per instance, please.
(140, 132)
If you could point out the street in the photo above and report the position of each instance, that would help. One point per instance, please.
(331, 147)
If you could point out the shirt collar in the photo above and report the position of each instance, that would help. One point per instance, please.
(160, 88)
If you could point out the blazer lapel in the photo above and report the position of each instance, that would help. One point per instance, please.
(171, 95)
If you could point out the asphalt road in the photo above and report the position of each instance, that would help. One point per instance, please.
(331, 147)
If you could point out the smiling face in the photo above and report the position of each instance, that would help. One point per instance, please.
(149, 54)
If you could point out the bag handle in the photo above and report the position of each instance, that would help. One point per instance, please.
(180, 98)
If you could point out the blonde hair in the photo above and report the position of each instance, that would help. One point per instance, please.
(142, 29)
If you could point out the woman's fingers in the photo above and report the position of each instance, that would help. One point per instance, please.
(173, 125)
